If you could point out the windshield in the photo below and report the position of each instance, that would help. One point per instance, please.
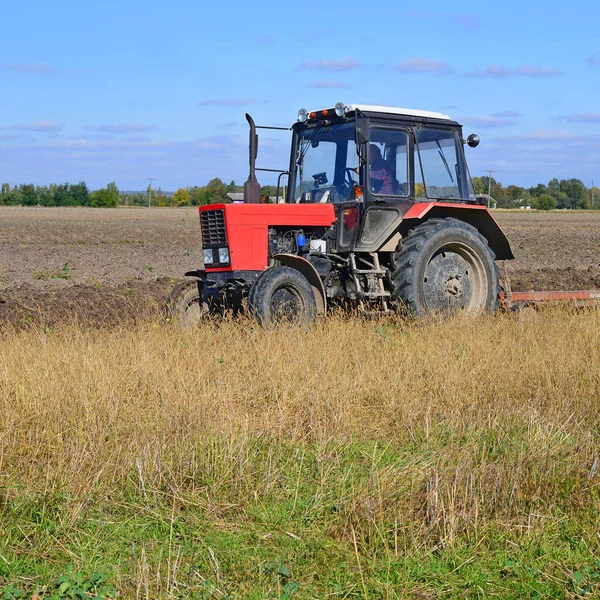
(443, 169)
(326, 161)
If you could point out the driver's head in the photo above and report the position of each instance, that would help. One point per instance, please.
(374, 153)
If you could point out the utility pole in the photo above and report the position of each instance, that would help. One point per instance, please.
(151, 179)
(489, 185)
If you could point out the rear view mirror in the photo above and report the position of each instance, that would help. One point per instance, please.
(473, 140)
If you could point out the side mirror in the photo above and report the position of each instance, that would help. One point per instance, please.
(473, 140)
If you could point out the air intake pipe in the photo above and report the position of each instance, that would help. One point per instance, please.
(251, 186)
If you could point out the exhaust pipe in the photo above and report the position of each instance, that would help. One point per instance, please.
(251, 186)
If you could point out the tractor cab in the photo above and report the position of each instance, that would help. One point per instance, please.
(376, 154)
(374, 163)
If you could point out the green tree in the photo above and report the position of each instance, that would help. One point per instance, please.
(198, 196)
(478, 186)
(181, 197)
(60, 195)
(104, 198)
(11, 196)
(575, 190)
(80, 195)
(29, 195)
(544, 202)
(216, 192)
(232, 187)
(538, 190)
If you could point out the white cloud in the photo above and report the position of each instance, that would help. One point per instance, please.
(30, 68)
(39, 126)
(329, 84)
(333, 65)
(500, 72)
(421, 64)
(121, 128)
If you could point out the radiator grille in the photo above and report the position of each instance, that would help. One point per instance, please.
(213, 227)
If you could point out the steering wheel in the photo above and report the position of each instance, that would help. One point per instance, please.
(348, 173)
(345, 188)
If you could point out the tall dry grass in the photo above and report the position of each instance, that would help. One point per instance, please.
(471, 423)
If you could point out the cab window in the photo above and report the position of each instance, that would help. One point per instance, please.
(388, 162)
(443, 171)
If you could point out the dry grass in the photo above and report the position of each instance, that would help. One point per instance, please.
(421, 436)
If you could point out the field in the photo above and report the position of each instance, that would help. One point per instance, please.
(362, 459)
(115, 265)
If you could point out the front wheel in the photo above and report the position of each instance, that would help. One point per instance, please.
(185, 306)
(282, 295)
(445, 265)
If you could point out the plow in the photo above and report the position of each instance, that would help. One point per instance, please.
(378, 211)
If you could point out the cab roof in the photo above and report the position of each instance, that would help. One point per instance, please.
(392, 110)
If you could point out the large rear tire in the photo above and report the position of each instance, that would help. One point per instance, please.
(445, 266)
(282, 295)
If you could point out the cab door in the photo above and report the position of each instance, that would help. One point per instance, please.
(389, 192)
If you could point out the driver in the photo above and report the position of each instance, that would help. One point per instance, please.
(381, 178)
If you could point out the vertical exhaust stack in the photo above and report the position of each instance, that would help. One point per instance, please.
(251, 186)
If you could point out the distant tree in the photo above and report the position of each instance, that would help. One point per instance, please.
(216, 192)
(11, 196)
(478, 186)
(44, 195)
(575, 190)
(60, 195)
(80, 195)
(595, 197)
(232, 187)
(554, 185)
(198, 196)
(544, 202)
(29, 195)
(181, 197)
(112, 186)
(503, 200)
(104, 198)
(538, 190)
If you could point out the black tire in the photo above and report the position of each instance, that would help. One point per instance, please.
(184, 306)
(445, 265)
(282, 295)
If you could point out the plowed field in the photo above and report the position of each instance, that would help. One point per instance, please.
(110, 265)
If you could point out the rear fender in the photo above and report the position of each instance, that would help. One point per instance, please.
(477, 216)
(306, 268)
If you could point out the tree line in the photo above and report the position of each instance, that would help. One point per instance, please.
(65, 194)
(564, 193)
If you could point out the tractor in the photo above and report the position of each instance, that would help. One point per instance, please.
(378, 211)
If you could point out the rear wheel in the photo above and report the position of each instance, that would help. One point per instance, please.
(185, 306)
(445, 265)
(282, 295)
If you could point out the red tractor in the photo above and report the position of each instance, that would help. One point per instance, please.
(379, 210)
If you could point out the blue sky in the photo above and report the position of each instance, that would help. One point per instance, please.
(128, 90)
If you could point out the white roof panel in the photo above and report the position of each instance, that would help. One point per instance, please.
(410, 112)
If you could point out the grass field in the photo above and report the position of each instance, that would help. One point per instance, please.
(361, 459)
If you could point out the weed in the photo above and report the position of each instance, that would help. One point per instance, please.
(64, 273)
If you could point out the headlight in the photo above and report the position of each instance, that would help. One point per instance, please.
(340, 109)
(223, 255)
(302, 115)
(207, 256)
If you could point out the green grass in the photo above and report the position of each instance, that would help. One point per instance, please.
(264, 518)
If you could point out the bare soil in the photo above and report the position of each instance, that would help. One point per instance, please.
(109, 265)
